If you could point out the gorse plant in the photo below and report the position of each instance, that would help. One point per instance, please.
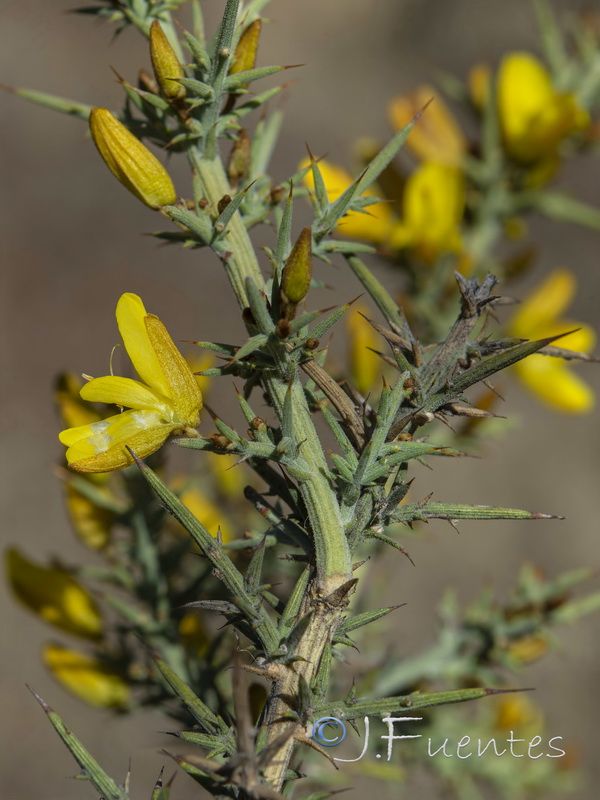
(329, 468)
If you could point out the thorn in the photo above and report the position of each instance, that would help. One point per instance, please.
(40, 700)
(140, 464)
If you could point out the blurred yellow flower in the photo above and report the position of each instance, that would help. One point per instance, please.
(552, 379)
(54, 595)
(518, 712)
(209, 514)
(91, 522)
(535, 117)
(169, 401)
(433, 208)
(86, 677)
(365, 365)
(372, 226)
(437, 135)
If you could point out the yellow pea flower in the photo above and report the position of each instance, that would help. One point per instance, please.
(433, 207)
(552, 379)
(54, 595)
(167, 402)
(365, 365)
(437, 135)
(86, 677)
(372, 226)
(535, 117)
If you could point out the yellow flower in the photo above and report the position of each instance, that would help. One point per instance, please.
(517, 713)
(534, 116)
(372, 226)
(168, 402)
(54, 595)
(209, 514)
(87, 677)
(91, 523)
(433, 206)
(130, 161)
(437, 135)
(365, 365)
(552, 379)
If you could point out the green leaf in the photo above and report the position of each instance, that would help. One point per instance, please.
(56, 103)
(208, 721)
(200, 225)
(198, 51)
(240, 80)
(217, 555)
(364, 707)
(340, 207)
(451, 511)
(101, 782)
(552, 41)
(198, 88)
(485, 369)
(258, 306)
(352, 623)
(566, 209)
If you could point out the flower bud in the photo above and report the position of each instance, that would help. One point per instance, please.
(165, 64)
(87, 677)
(295, 279)
(130, 161)
(245, 53)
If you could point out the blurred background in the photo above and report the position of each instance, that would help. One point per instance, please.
(72, 242)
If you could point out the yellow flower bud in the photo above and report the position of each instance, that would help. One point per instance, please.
(535, 118)
(87, 677)
(54, 595)
(165, 64)
(365, 365)
(245, 53)
(130, 161)
(295, 279)
(91, 523)
(437, 135)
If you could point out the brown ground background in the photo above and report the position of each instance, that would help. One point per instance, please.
(71, 244)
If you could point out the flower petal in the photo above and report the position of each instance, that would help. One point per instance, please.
(100, 447)
(123, 392)
(87, 677)
(437, 135)
(373, 225)
(54, 595)
(130, 319)
(556, 384)
(539, 311)
(181, 381)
